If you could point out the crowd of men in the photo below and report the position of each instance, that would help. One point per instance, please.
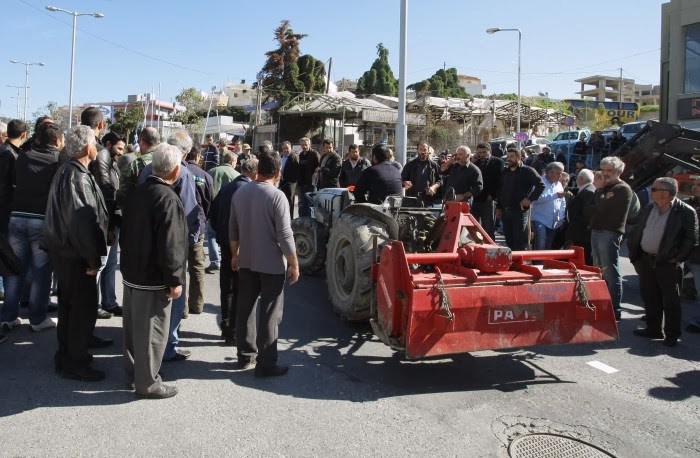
(69, 203)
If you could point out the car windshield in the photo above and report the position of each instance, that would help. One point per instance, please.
(567, 136)
(632, 128)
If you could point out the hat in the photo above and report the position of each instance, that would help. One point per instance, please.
(246, 146)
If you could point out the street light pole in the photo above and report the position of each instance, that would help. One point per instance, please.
(26, 83)
(75, 15)
(520, 37)
(18, 88)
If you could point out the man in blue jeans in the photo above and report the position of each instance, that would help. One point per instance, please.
(608, 220)
(34, 172)
(547, 213)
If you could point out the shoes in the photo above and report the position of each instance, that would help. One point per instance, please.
(212, 268)
(618, 316)
(8, 326)
(245, 362)
(272, 371)
(670, 341)
(131, 386)
(163, 392)
(180, 355)
(53, 307)
(48, 323)
(103, 314)
(99, 342)
(85, 374)
(693, 328)
(643, 317)
(195, 311)
(648, 334)
(116, 310)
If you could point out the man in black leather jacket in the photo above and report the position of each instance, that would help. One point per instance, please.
(664, 237)
(75, 236)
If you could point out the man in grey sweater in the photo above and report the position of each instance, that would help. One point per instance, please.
(262, 250)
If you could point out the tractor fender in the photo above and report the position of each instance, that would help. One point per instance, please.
(375, 212)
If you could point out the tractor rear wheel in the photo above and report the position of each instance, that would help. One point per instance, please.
(310, 242)
(349, 262)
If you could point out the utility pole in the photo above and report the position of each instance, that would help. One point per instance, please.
(619, 115)
(328, 76)
(258, 103)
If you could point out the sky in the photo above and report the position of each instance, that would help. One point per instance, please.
(166, 46)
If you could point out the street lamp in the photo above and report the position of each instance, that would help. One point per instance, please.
(493, 30)
(72, 56)
(26, 82)
(18, 88)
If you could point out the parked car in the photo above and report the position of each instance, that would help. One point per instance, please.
(567, 139)
(502, 144)
(630, 129)
(535, 144)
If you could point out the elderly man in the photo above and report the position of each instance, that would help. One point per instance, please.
(547, 215)
(578, 232)
(462, 175)
(664, 237)
(608, 220)
(421, 176)
(154, 251)
(187, 192)
(263, 250)
(75, 236)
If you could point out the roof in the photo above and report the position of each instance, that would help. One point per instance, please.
(337, 104)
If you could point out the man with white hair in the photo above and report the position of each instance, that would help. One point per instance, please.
(546, 214)
(75, 236)
(193, 209)
(154, 250)
(579, 231)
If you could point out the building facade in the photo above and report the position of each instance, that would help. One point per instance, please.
(680, 63)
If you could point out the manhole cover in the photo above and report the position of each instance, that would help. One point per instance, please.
(553, 445)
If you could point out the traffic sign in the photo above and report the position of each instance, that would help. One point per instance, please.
(521, 136)
(569, 121)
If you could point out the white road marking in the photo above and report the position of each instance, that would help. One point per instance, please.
(603, 367)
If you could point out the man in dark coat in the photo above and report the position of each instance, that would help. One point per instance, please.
(421, 176)
(329, 167)
(578, 232)
(352, 167)
(228, 278)
(290, 174)
(154, 249)
(462, 175)
(664, 237)
(308, 163)
(483, 205)
(75, 235)
(378, 181)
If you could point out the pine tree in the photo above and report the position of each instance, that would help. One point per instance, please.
(444, 83)
(379, 79)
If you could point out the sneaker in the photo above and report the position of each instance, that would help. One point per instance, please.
(103, 314)
(116, 310)
(48, 323)
(8, 326)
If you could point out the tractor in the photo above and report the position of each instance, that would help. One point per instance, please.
(432, 282)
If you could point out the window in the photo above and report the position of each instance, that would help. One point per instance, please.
(692, 59)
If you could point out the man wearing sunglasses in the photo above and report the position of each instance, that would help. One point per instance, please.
(665, 237)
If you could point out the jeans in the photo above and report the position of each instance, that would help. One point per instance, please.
(195, 267)
(178, 309)
(515, 229)
(605, 251)
(25, 237)
(106, 282)
(543, 236)
(214, 257)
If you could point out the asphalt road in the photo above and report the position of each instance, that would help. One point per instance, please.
(347, 394)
